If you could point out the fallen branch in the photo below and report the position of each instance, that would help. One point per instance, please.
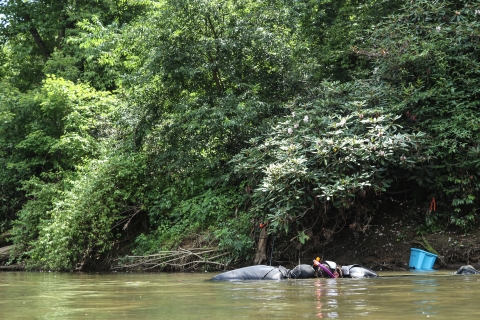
(13, 267)
(180, 260)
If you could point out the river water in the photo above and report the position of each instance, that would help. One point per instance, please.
(438, 294)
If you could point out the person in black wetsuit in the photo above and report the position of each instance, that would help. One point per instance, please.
(350, 271)
(466, 270)
(327, 269)
(261, 272)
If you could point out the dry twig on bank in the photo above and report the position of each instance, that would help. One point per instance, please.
(179, 260)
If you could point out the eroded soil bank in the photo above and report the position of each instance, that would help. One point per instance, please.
(386, 244)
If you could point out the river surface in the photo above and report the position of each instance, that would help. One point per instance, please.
(405, 295)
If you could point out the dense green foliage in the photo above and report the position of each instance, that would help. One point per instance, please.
(339, 141)
(431, 64)
(139, 125)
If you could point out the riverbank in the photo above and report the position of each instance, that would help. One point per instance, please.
(388, 248)
(383, 244)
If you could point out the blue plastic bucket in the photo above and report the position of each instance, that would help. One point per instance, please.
(416, 258)
(428, 261)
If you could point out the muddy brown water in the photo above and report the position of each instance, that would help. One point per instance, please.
(395, 295)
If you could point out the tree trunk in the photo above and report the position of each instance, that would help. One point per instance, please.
(261, 255)
(4, 238)
(5, 252)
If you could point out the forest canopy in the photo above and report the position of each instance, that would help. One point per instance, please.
(133, 126)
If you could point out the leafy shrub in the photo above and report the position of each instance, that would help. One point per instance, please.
(208, 214)
(337, 143)
(45, 133)
(51, 133)
(82, 221)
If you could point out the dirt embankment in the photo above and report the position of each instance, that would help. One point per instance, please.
(387, 242)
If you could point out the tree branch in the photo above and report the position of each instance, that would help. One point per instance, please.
(216, 70)
(40, 43)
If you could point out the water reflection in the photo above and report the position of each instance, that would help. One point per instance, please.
(326, 296)
(427, 298)
(192, 296)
